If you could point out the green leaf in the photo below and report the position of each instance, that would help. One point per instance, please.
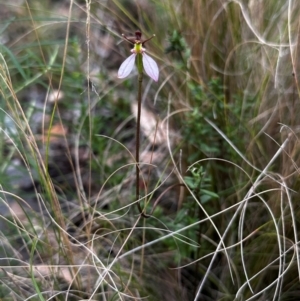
(210, 193)
(205, 199)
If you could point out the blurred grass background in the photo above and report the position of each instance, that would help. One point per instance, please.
(220, 151)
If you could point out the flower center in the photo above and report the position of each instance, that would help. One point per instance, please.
(138, 48)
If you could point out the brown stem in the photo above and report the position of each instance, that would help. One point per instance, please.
(138, 129)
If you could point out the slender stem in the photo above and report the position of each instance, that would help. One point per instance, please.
(138, 126)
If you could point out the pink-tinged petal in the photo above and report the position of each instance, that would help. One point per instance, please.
(150, 67)
(126, 66)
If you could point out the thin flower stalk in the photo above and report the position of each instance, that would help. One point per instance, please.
(145, 62)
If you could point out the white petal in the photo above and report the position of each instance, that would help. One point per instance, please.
(150, 67)
(126, 66)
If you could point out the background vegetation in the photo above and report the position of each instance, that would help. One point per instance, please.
(219, 151)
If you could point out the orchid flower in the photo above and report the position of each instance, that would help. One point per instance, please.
(148, 63)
